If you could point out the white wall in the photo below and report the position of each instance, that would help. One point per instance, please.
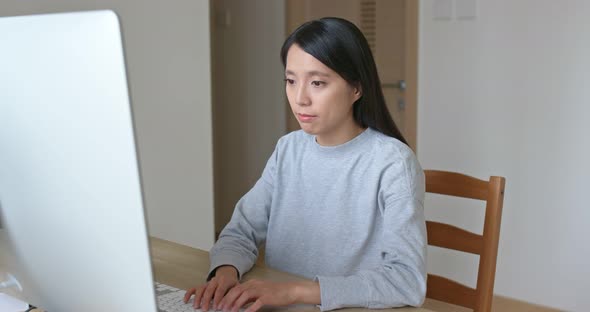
(507, 94)
(249, 95)
(168, 62)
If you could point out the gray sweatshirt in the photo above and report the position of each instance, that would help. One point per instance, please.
(349, 216)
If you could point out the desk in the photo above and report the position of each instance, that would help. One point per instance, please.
(185, 267)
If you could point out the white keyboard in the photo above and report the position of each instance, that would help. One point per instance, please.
(170, 299)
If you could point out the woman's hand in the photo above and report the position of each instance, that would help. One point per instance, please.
(265, 293)
(225, 278)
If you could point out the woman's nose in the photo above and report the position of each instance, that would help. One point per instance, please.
(301, 97)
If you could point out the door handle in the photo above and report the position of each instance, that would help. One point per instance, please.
(400, 84)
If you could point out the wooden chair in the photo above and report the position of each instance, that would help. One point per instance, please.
(451, 237)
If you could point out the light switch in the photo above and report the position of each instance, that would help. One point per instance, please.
(442, 10)
(465, 9)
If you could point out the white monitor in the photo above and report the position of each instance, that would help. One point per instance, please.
(73, 223)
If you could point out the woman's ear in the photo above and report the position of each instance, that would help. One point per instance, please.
(358, 91)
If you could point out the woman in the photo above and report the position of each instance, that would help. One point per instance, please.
(340, 202)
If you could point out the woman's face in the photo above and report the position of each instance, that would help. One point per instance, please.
(321, 99)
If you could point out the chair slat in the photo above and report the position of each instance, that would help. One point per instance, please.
(452, 237)
(443, 289)
(455, 184)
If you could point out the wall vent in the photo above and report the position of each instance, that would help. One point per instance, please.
(368, 22)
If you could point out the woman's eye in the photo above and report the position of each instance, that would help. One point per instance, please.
(317, 83)
(289, 81)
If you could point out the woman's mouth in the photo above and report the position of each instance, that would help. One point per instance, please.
(306, 117)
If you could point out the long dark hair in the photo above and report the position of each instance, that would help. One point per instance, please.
(341, 46)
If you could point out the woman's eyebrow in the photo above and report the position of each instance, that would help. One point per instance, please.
(309, 73)
(318, 73)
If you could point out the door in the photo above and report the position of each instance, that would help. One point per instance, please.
(391, 29)
(248, 86)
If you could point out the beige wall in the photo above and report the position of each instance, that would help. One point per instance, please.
(168, 61)
(507, 94)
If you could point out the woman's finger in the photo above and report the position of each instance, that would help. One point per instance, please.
(219, 295)
(231, 296)
(248, 295)
(255, 306)
(205, 301)
(188, 294)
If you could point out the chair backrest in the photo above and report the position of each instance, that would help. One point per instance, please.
(451, 237)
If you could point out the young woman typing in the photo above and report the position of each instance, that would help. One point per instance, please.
(339, 202)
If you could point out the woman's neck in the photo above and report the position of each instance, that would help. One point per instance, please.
(341, 136)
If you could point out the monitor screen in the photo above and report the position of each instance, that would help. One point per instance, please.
(73, 223)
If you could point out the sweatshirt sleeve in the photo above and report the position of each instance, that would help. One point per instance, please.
(238, 242)
(400, 279)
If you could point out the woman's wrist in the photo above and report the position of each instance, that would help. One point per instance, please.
(227, 270)
(307, 292)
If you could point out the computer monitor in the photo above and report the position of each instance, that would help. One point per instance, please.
(73, 223)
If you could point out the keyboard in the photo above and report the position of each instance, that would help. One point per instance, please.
(170, 299)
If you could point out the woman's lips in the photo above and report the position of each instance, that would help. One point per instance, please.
(306, 118)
